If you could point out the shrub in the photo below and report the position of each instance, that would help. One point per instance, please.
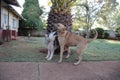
(105, 35)
(100, 32)
(117, 35)
(118, 30)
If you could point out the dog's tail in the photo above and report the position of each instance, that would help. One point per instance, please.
(96, 34)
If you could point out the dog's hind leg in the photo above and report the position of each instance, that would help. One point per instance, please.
(61, 54)
(48, 54)
(80, 50)
(79, 60)
(51, 55)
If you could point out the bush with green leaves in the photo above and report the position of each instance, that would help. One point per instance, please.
(105, 35)
(31, 13)
(100, 32)
(118, 31)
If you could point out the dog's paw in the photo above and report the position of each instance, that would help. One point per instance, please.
(77, 63)
(59, 61)
(67, 56)
(49, 59)
(46, 57)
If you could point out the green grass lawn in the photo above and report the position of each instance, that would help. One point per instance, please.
(27, 50)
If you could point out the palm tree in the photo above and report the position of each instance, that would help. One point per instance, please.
(60, 13)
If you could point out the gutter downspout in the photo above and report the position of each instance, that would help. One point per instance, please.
(0, 14)
(8, 28)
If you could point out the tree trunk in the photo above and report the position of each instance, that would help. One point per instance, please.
(65, 19)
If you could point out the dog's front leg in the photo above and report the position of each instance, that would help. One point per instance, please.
(68, 51)
(61, 53)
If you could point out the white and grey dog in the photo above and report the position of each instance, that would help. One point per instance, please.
(51, 44)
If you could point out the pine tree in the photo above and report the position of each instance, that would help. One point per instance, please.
(31, 14)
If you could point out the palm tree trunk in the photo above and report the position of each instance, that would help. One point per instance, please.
(65, 19)
(57, 17)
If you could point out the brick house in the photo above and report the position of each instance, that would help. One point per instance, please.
(9, 20)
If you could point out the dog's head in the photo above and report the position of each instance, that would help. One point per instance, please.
(60, 28)
(50, 37)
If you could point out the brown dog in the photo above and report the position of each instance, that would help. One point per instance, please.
(67, 39)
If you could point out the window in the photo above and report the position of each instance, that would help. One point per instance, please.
(14, 24)
(5, 16)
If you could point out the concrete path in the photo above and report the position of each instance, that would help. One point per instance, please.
(103, 70)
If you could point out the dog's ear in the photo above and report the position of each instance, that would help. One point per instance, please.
(54, 33)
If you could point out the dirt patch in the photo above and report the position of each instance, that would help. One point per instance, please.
(43, 50)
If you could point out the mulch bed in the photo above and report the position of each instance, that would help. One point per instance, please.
(43, 50)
